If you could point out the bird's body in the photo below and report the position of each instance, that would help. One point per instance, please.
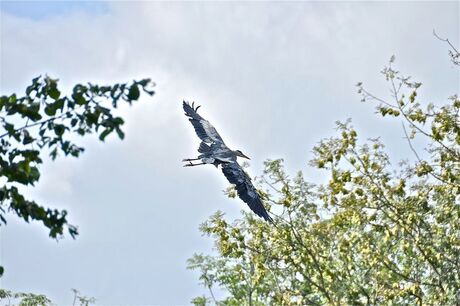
(214, 151)
(215, 154)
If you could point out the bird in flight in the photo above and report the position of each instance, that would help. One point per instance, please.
(214, 151)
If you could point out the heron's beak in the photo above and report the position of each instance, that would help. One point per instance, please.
(244, 156)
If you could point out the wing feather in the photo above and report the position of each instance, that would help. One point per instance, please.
(203, 128)
(246, 191)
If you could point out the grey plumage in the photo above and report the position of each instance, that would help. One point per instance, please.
(214, 151)
(246, 191)
(203, 128)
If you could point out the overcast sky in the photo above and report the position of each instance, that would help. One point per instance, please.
(272, 77)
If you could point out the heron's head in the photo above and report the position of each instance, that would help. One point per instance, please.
(240, 154)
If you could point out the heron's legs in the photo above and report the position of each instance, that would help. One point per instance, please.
(191, 165)
(190, 159)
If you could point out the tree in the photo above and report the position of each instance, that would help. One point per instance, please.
(374, 234)
(44, 121)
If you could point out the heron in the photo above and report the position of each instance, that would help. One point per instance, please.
(214, 151)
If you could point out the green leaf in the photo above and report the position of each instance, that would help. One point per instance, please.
(50, 110)
(27, 138)
(59, 104)
(34, 174)
(12, 99)
(118, 121)
(133, 92)
(32, 112)
(9, 128)
(79, 98)
(106, 132)
(54, 93)
(59, 129)
(52, 90)
(144, 82)
(73, 122)
(34, 107)
(3, 101)
(120, 133)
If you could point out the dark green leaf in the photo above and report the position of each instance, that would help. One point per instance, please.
(9, 128)
(59, 129)
(133, 92)
(50, 110)
(106, 132)
(59, 104)
(73, 122)
(120, 133)
(3, 101)
(54, 93)
(27, 138)
(79, 99)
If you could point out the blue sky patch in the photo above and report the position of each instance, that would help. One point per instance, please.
(39, 10)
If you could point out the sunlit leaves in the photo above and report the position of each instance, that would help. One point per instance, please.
(373, 234)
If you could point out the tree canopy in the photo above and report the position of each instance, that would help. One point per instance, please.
(375, 233)
(44, 121)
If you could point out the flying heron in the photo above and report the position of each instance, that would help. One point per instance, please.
(214, 151)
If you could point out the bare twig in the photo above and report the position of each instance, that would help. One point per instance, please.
(445, 40)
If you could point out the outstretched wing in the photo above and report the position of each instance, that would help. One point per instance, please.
(203, 128)
(246, 191)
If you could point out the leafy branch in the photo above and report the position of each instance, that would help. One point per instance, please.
(42, 121)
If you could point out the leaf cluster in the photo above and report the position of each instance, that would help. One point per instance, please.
(25, 299)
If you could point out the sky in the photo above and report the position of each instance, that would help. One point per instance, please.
(272, 77)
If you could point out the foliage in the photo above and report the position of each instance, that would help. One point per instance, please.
(82, 300)
(26, 299)
(30, 299)
(374, 234)
(44, 120)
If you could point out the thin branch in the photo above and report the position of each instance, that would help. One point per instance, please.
(410, 143)
(420, 160)
(37, 123)
(212, 295)
(445, 40)
(368, 94)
